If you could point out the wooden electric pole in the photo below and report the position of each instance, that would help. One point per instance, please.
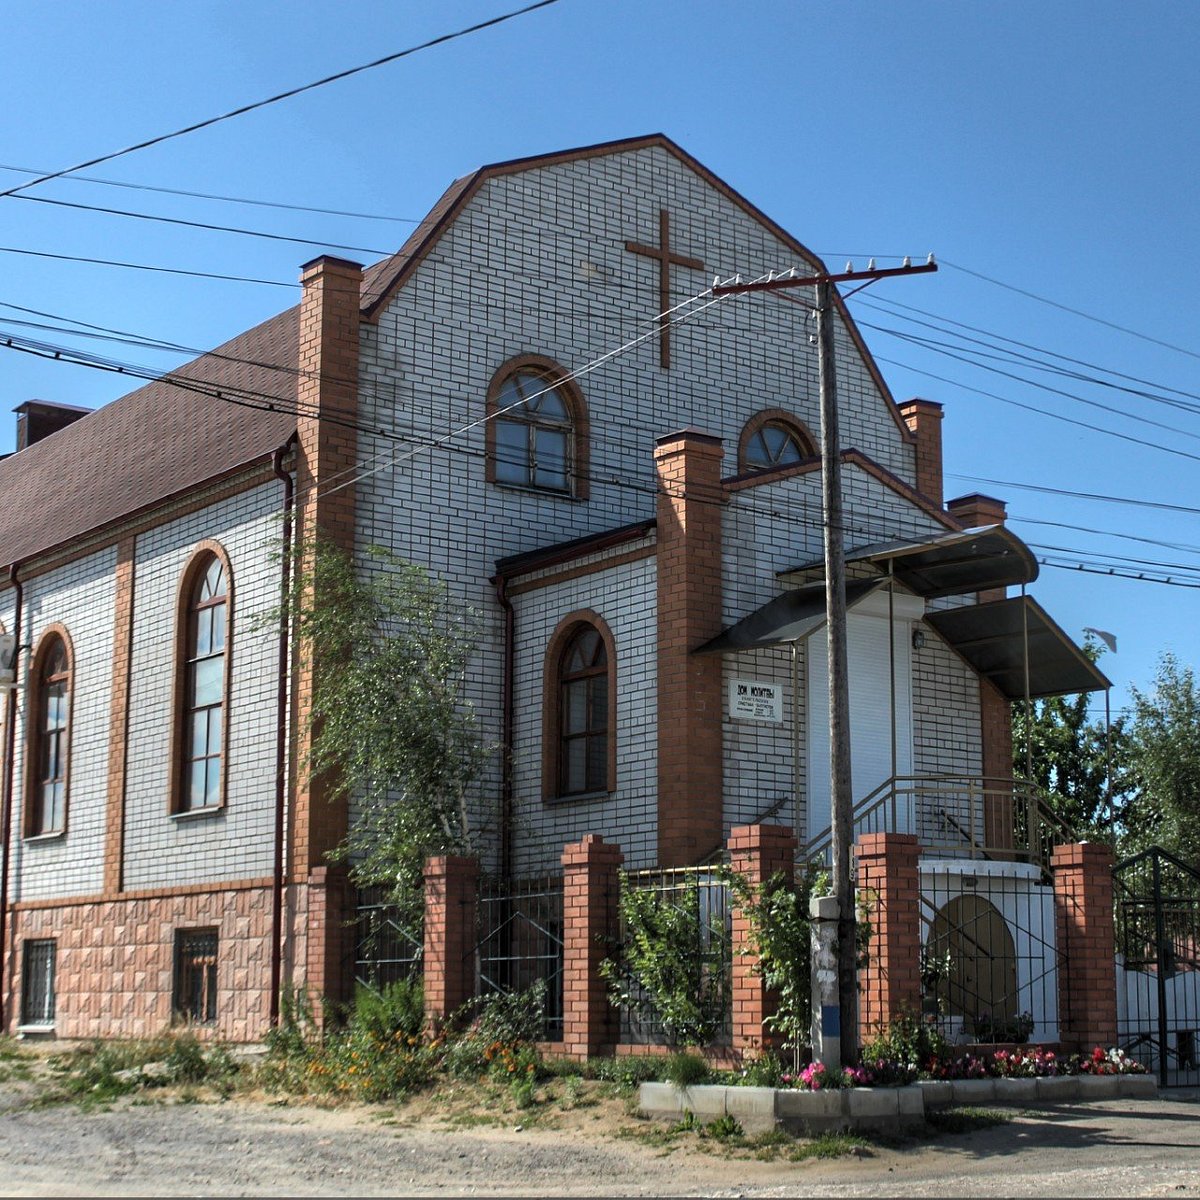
(841, 795)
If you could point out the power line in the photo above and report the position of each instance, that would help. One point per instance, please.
(1053, 491)
(286, 95)
(166, 191)
(108, 262)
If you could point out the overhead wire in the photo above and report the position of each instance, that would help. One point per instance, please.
(241, 110)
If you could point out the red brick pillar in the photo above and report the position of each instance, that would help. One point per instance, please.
(924, 420)
(329, 974)
(690, 770)
(451, 901)
(1087, 972)
(888, 873)
(757, 852)
(591, 888)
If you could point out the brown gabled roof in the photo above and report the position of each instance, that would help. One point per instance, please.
(149, 445)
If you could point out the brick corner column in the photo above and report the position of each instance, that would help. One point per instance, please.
(690, 758)
(1087, 973)
(330, 906)
(591, 888)
(756, 852)
(890, 984)
(924, 421)
(451, 906)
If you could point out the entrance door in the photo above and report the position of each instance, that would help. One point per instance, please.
(870, 708)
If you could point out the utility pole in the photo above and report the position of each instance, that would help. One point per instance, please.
(841, 794)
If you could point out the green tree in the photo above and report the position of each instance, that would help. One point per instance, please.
(1165, 761)
(389, 726)
(1070, 757)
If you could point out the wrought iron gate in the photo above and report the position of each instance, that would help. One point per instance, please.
(1157, 901)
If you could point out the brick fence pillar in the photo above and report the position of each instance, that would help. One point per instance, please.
(327, 971)
(451, 901)
(591, 887)
(756, 852)
(890, 984)
(1087, 973)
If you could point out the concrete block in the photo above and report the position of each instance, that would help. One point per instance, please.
(810, 1112)
(754, 1107)
(1139, 1087)
(871, 1102)
(1060, 1089)
(1099, 1087)
(974, 1091)
(936, 1093)
(911, 1101)
(1016, 1091)
(705, 1101)
(658, 1099)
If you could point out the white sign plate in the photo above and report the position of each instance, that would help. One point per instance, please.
(754, 700)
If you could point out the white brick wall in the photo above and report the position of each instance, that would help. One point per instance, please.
(236, 842)
(78, 596)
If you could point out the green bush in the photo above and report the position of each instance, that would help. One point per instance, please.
(907, 1040)
(398, 1008)
(684, 1070)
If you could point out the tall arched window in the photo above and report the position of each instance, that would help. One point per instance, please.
(49, 747)
(537, 431)
(202, 685)
(773, 438)
(579, 721)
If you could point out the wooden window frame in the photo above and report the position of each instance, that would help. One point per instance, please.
(178, 783)
(579, 437)
(33, 815)
(552, 679)
(809, 445)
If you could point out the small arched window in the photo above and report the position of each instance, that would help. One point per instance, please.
(537, 431)
(203, 685)
(579, 726)
(49, 738)
(774, 439)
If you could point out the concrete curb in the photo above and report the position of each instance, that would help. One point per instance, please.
(882, 1109)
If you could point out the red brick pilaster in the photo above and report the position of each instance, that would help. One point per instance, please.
(326, 453)
(591, 888)
(888, 873)
(924, 420)
(690, 781)
(1087, 973)
(328, 946)
(451, 905)
(756, 852)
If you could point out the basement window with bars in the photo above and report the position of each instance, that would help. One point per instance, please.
(196, 976)
(37, 982)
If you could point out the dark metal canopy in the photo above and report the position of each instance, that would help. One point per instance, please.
(992, 638)
(788, 618)
(951, 564)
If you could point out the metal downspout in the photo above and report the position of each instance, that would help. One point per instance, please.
(10, 742)
(281, 735)
(506, 736)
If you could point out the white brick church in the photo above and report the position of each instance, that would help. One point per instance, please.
(640, 525)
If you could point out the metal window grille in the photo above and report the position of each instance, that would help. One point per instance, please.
(196, 975)
(37, 983)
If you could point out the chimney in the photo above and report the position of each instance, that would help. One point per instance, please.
(976, 510)
(924, 420)
(38, 419)
(690, 510)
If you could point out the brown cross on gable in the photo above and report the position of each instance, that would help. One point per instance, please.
(662, 252)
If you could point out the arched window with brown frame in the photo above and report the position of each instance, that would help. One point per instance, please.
(536, 434)
(201, 683)
(579, 709)
(773, 439)
(48, 750)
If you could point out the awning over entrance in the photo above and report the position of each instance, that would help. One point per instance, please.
(950, 564)
(788, 618)
(991, 637)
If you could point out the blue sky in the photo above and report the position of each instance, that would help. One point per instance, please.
(1048, 146)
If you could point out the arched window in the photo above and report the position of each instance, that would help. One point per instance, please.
(202, 684)
(49, 747)
(537, 431)
(772, 439)
(579, 726)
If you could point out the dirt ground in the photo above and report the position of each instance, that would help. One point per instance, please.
(472, 1143)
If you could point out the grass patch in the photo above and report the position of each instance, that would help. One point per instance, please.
(966, 1119)
(830, 1145)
